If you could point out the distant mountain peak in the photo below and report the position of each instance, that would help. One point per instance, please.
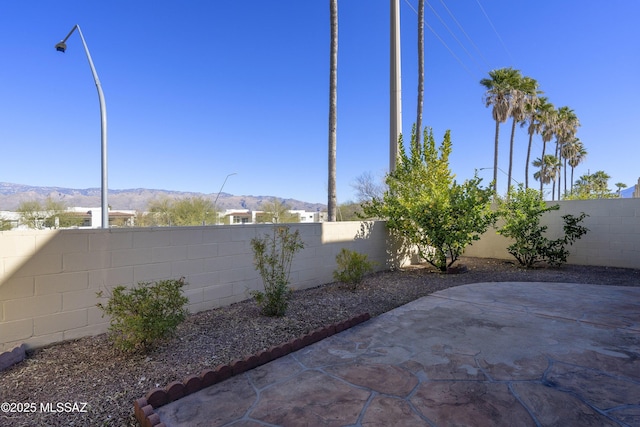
(11, 195)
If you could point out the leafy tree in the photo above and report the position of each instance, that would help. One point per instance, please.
(193, 211)
(277, 212)
(180, 212)
(5, 224)
(427, 208)
(51, 214)
(160, 212)
(620, 186)
(350, 211)
(521, 213)
(31, 214)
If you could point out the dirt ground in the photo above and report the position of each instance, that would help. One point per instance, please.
(91, 371)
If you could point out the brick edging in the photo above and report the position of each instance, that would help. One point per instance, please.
(144, 407)
(10, 358)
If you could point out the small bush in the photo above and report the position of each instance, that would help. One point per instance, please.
(521, 213)
(273, 254)
(144, 315)
(352, 267)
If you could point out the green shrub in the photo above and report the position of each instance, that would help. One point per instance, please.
(273, 254)
(144, 315)
(426, 208)
(521, 212)
(352, 266)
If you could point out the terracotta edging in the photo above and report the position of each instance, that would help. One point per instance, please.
(144, 407)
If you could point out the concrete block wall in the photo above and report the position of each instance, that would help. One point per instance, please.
(613, 239)
(49, 279)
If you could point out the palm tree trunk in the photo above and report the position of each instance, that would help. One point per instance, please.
(565, 176)
(542, 168)
(513, 134)
(572, 179)
(333, 108)
(526, 166)
(420, 69)
(495, 160)
(557, 179)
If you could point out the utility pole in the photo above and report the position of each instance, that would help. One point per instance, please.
(395, 106)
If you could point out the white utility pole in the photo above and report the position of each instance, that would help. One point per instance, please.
(395, 106)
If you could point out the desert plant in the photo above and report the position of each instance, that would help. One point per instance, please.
(273, 254)
(144, 315)
(352, 266)
(521, 213)
(426, 208)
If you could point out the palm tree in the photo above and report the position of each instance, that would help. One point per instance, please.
(620, 186)
(534, 116)
(565, 130)
(499, 85)
(420, 69)
(548, 171)
(574, 153)
(524, 97)
(548, 118)
(333, 107)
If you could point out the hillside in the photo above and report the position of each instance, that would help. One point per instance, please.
(11, 195)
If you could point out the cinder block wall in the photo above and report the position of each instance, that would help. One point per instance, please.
(613, 239)
(49, 279)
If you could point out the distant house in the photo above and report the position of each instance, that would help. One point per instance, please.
(246, 216)
(87, 218)
(633, 191)
(239, 216)
(92, 217)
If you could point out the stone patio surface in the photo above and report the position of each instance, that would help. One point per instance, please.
(487, 354)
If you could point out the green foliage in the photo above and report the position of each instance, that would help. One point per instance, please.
(51, 214)
(349, 211)
(144, 315)
(273, 254)
(276, 212)
(352, 266)
(427, 208)
(180, 212)
(592, 186)
(521, 213)
(5, 224)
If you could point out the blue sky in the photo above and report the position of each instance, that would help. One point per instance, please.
(197, 90)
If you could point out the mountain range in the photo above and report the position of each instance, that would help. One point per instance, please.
(11, 195)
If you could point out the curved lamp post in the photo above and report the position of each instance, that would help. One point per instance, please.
(220, 191)
(61, 47)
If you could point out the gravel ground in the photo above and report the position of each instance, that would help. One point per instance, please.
(90, 370)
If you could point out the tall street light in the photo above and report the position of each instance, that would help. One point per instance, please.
(220, 191)
(61, 47)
